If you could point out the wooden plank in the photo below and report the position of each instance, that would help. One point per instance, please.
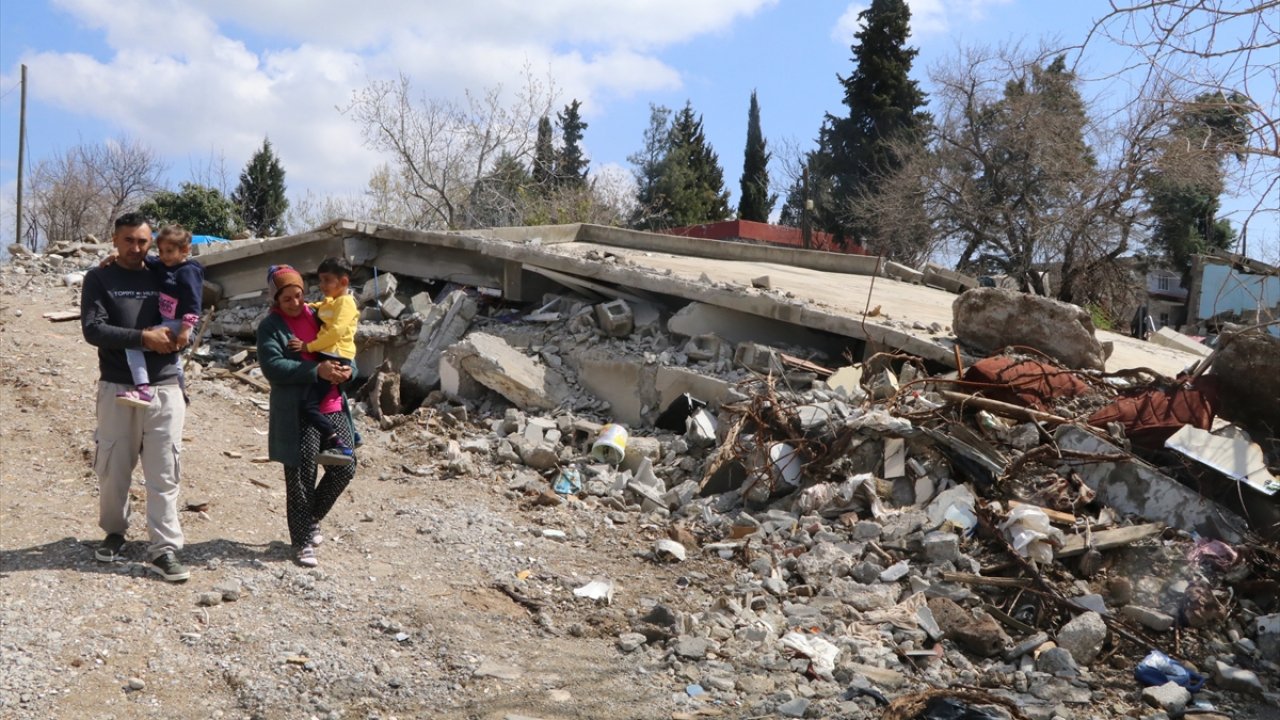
(1003, 408)
(243, 374)
(1000, 582)
(61, 315)
(792, 361)
(1110, 539)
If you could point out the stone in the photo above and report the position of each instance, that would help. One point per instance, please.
(795, 708)
(981, 636)
(1248, 374)
(1026, 646)
(442, 326)
(379, 288)
(136, 684)
(1235, 679)
(1148, 618)
(989, 319)
(230, 590)
(692, 648)
(1268, 636)
(1170, 697)
(392, 307)
(763, 282)
(525, 381)
(209, 599)
(629, 642)
(1083, 637)
(941, 546)
(1057, 661)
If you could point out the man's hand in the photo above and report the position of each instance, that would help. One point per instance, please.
(296, 345)
(184, 337)
(159, 339)
(109, 260)
(333, 371)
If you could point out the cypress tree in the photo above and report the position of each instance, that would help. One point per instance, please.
(692, 176)
(544, 155)
(755, 202)
(260, 198)
(885, 107)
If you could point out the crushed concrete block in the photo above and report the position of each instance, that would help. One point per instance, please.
(1170, 338)
(615, 318)
(443, 326)
(763, 282)
(1148, 618)
(898, 271)
(624, 382)
(1083, 637)
(703, 347)
(672, 382)
(1235, 679)
(392, 307)
(421, 303)
(992, 318)
(941, 546)
(379, 288)
(848, 382)
(884, 385)
(1135, 487)
(760, 358)
(371, 314)
(523, 380)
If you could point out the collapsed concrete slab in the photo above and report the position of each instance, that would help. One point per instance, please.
(625, 384)
(992, 318)
(526, 382)
(1170, 338)
(444, 324)
(698, 318)
(1133, 486)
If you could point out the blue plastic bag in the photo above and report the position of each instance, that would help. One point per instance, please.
(1157, 669)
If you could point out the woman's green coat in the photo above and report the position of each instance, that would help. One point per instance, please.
(290, 377)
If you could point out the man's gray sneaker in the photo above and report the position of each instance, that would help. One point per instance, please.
(168, 567)
(110, 548)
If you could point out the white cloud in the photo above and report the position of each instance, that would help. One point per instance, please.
(179, 79)
(929, 18)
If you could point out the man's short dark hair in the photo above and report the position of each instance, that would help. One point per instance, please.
(337, 266)
(131, 220)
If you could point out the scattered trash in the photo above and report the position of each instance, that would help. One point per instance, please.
(821, 653)
(611, 446)
(1157, 669)
(1028, 529)
(668, 550)
(596, 590)
(569, 482)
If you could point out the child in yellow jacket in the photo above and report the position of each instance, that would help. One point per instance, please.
(335, 340)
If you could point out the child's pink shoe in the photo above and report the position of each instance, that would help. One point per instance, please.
(140, 396)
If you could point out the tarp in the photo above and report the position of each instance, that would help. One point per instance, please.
(206, 239)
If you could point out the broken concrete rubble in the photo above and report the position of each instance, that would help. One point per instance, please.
(896, 495)
(990, 319)
(444, 325)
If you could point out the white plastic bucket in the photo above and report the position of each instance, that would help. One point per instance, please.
(611, 446)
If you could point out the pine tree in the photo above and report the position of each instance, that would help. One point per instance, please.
(647, 168)
(693, 180)
(885, 107)
(571, 164)
(544, 156)
(756, 203)
(260, 198)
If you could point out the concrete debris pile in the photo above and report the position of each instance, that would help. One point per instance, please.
(60, 263)
(849, 521)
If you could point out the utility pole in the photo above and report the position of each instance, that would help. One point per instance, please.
(22, 146)
(806, 205)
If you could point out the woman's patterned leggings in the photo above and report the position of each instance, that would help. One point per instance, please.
(306, 501)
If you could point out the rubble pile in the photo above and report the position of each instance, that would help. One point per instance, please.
(1025, 536)
(882, 530)
(57, 264)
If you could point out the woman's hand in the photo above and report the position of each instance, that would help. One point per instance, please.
(296, 345)
(333, 371)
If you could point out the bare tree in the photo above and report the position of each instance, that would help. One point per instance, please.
(440, 149)
(1188, 50)
(82, 190)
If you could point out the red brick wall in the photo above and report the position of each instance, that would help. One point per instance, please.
(747, 231)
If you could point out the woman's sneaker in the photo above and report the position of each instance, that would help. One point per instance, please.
(338, 454)
(315, 535)
(307, 556)
(140, 396)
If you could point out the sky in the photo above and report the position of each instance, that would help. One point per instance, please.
(204, 81)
